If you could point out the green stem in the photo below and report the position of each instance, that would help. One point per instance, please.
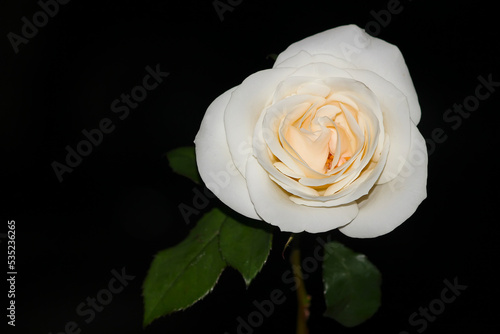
(303, 300)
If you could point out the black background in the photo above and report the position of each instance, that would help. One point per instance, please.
(120, 205)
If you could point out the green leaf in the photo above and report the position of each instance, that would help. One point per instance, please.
(244, 247)
(182, 160)
(352, 285)
(181, 275)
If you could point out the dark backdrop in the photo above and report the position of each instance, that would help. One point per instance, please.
(119, 205)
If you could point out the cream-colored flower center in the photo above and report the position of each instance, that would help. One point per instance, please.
(315, 136)
(321, 136)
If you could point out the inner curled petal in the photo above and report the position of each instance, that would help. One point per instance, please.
(312, 147)
(325, 141)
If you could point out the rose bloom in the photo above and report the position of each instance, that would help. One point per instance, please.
(325, 139)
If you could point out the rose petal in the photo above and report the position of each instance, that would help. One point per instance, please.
(321, 70)
(214, 160)
(363, 51)
(275, 207)
(396, 120)
(247, 102)
(289, 87)
(265, 156)
(359, 187)
(314, 152)
(303, 58)
(388, 205)
(267, 128)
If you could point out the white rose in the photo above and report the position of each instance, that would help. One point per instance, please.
(325, 139)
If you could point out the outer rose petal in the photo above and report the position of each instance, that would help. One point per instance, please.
(214, 160)
(363, 51)
(247, 103)
(303, 58)
(396, 118)
(388, 205)
(275, 207)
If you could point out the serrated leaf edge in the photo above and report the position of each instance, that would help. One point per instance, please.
(190, 264)
(245, 279)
